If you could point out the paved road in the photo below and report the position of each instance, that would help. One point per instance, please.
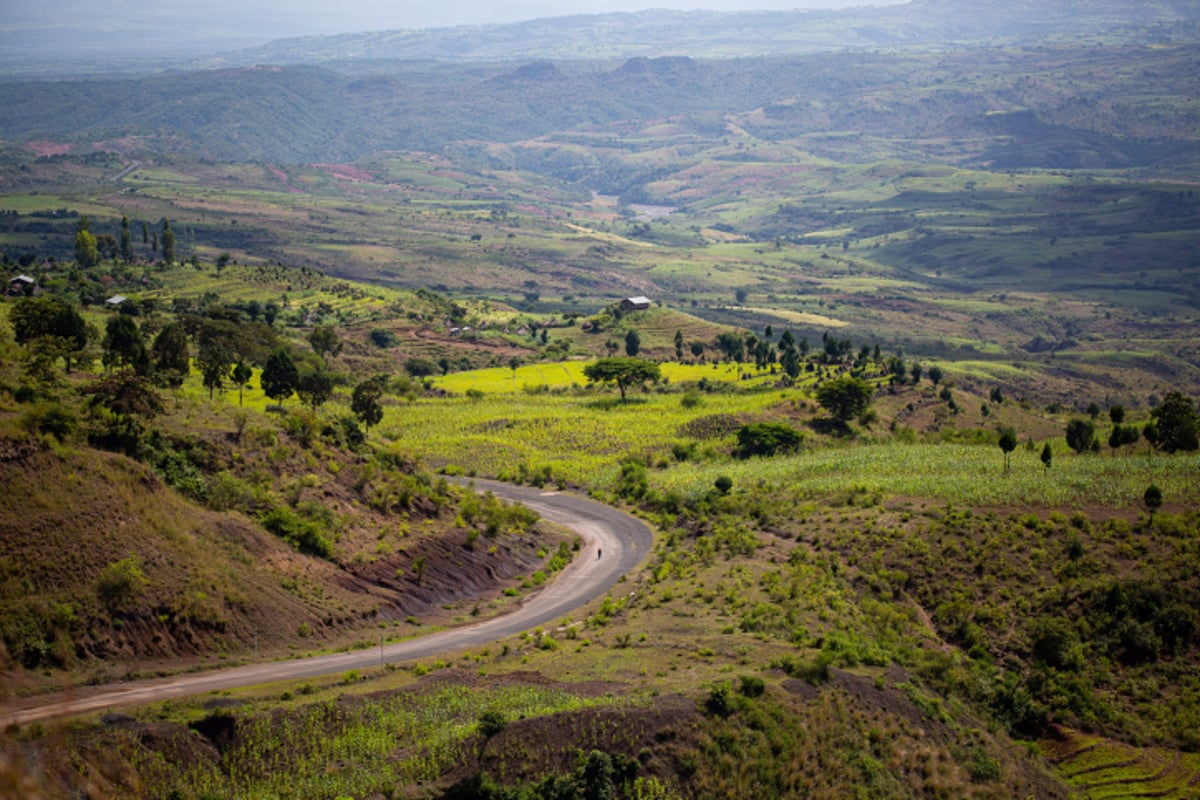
(624, 540)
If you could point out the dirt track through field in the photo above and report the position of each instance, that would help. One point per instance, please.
(623, 540)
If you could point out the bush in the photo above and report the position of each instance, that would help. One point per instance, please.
(52, 419)
(767, 439)
(305, 535)
(121, 582)
(751, 686)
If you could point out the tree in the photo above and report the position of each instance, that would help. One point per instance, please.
(46, 318)
(1008, 443)
(697, 349)
(1116, 414)
(678, 345)
(420, 367)
(87, 248)
(168, 242)
(732, 346)
(241, 375)
(1080, 434)
(624, 372)
(280, 376)
(1122, 435)
(124, 345)
(935, 374)
(845, 397)
(213, 360)
(1047, 457)
(1153, 498)
(633, 343)
(325, 341)
(1176, 424)
(170, 354)
(365, 401)
(126, 241)
(315, 387)
(790, 361)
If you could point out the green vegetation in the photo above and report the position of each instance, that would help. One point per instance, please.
(848, 595)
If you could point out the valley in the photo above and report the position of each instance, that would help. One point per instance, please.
(887, 359)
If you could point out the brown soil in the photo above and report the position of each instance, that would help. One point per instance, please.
(217, 585)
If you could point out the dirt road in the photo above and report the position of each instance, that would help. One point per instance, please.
(623, 540)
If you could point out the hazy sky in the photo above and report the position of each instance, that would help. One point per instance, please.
(279, 18)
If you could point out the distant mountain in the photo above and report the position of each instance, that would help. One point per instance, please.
(1066, 106)
(711, 34)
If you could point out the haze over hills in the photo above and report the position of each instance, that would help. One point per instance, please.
(222, 36)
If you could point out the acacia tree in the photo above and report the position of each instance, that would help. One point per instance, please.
(624, 372)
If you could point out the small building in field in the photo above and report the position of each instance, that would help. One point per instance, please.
(636, 304)
(115, 301)
(22, 286)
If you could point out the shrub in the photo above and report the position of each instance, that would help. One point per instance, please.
(751, 686)
(121, 582)
(767, 439)
(305, 535)
(52, 419)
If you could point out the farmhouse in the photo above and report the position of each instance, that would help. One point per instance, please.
(22, 285)
(635, 304)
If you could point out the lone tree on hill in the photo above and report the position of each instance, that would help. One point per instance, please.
(624, 372)
(1047, 456)
(1008, 443)
(845, 397)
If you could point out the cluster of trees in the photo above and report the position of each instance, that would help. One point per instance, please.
(1173, 426)
(91, 248)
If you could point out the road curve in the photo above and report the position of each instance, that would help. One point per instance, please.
(623, 539)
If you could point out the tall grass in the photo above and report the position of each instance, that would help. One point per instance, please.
(956, 473)
(337, 748)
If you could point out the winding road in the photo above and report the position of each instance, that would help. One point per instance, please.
(624, 541)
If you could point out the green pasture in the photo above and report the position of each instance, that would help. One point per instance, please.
(579, 437)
